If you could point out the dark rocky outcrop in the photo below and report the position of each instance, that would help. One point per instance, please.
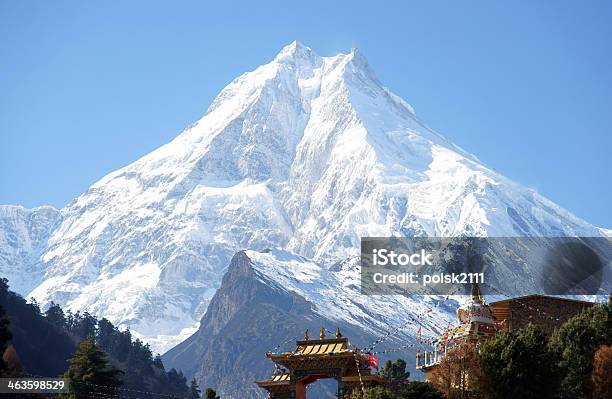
(248, 316)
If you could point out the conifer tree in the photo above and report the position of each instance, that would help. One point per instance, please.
(34, 304)
(211, 394)
(56, 315)
(85, 326)
(395, 375)
(5, 337)
(574, 346)
(420, 390)
(519, 365)
(157, 362)
(90, 374)
(194, 389)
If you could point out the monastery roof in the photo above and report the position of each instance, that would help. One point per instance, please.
(533, 296)
(276, 379)
(321, 346)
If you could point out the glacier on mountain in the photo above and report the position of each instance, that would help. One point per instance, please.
(305, 153)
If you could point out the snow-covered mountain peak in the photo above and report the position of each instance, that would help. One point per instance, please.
(305, 153)
(296, 52)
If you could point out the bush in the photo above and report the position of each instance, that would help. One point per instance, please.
(420, 390)
(602, 373)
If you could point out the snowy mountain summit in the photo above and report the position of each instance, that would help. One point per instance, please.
(305, 153)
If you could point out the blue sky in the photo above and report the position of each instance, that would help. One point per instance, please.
(524, 85)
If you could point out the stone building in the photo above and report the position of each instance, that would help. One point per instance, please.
(546, 312)
(478, 321)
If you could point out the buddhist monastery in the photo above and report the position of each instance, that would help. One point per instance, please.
(315, 359)
(478, 321)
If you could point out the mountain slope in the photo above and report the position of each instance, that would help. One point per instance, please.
(267, 299)
(43, 344)
(306, 153)
(23, 237)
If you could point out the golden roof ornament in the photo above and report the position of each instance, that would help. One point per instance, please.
(306, 336)
(338, 333)
(322, 333)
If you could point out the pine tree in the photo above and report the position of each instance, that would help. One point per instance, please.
(123, 345)
(34, 304)
(4, 286)
(55, 315)
(84, 326)
(211, 394)
(519, 365)
(157, 362)
(194, 390)
(395, 375)
(106, 337)
(5, 338)
(177, 383)
(89, 372)
(574, 346)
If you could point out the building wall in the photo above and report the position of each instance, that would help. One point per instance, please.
(548, 313)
